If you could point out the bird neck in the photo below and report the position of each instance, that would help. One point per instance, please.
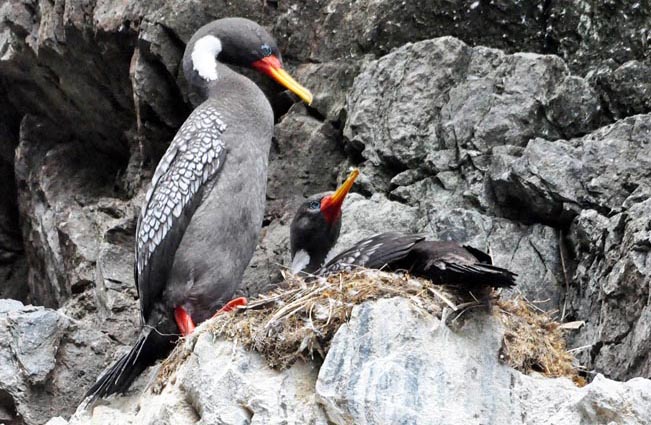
(307, 262)
(310, 260)
(312, 242)
(220, 79)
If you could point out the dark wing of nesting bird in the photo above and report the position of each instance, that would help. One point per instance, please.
(480, 255)
(194, 157)
(449, 263)
(375, 252)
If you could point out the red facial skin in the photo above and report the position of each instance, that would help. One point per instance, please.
(331, 204)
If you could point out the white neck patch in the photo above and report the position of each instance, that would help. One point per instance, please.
(204, 56)
(300, 261)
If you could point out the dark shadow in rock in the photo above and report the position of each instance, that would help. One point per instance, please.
(59, 180)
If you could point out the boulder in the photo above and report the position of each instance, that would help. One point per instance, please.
(625, 90)
(392, 362)
(610, 289)
(554, 180)
(443, 94)
(43, 352)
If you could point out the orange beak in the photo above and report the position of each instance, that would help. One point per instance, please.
(331, 204)
(271, 66)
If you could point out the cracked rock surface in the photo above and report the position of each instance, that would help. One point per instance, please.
(521, 128)
(45, 356)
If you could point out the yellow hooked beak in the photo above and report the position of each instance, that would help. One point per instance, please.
(271, 66)
(331, 205)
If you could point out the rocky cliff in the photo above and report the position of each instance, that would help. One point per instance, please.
(390, 363)
(523, 128)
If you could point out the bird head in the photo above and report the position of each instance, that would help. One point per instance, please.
(316, 225)
(240, 42)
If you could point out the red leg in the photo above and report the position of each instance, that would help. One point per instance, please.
(183, 321)
(232, 305)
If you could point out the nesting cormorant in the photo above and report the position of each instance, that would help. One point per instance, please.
(315, 230)
(199, 225)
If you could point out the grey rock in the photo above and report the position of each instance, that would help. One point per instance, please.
(13, 264)
(78, 262)
(377, 26)
(59, 61)
(271, 257)
(36, 336)
(304, 159)
(43, 352)
(115, 306)
(574, 107)
(9, 305)
(373, 179)
(330, 82)
(586, 34)
(625, 90)
(58, 186)
(394, 102)
(222, 383)
(582, 33)
(426, 190)
(390, 363)
(58, 420)
(407, 178)
(442, 94)
(610, 290)
(553, 181)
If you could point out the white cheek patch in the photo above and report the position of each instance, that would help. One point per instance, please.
(204, 56)
(300, 261)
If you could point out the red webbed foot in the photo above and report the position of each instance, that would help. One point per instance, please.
(183, 321)
(232, 305)
(186, 324)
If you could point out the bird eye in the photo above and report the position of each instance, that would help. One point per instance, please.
(314, 205)
(266, 50)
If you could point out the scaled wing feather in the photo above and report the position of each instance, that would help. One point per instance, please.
(194, 158)
(374, 252)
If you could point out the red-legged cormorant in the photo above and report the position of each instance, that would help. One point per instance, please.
(315, 230)
(199, 225)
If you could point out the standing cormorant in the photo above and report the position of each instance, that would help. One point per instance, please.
(315, 230)
(199, 225)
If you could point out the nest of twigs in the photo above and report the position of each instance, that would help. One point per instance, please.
(533, 341)
(299, 320)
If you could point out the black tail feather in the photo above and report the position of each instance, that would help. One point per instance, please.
(150, 346)
(474, 275)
